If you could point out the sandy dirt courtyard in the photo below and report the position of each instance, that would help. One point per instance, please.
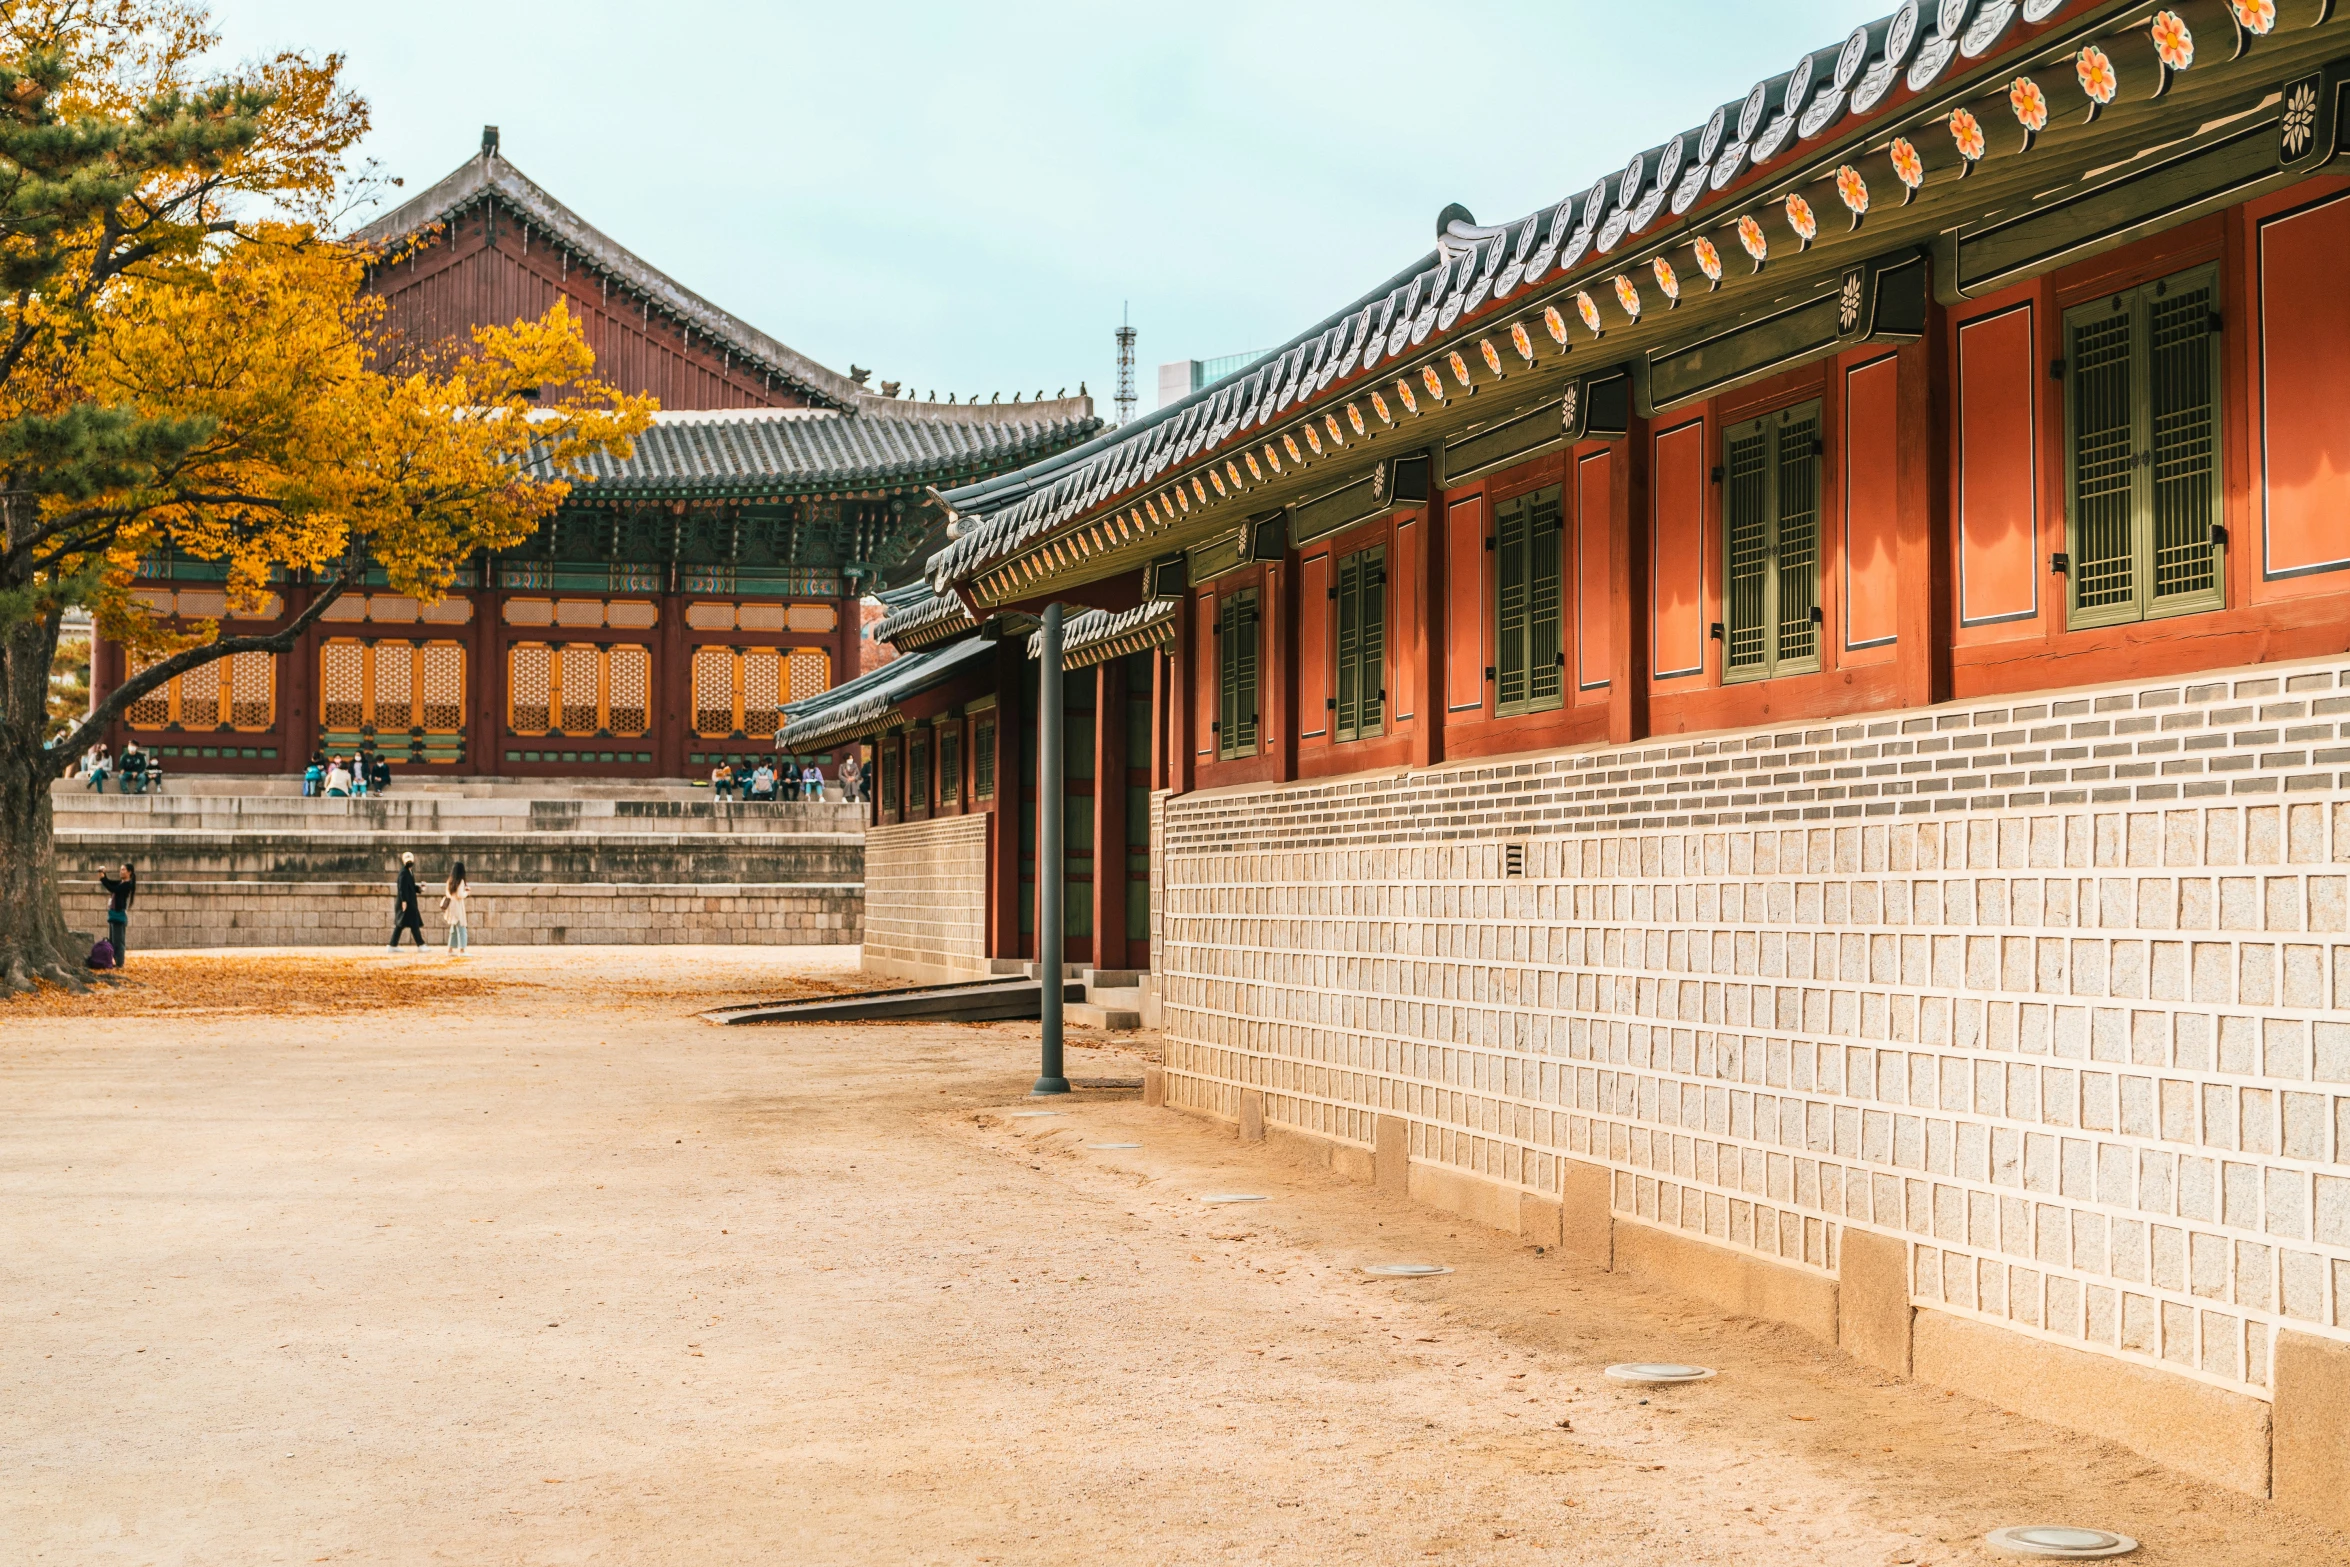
(336, 1258)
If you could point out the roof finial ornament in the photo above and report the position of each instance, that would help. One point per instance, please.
(858, 373)
(995, 397)
(489, 142)
(1453, 213)
(1057, 396)
(1081, 391)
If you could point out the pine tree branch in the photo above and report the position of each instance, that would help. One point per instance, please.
(59, 753)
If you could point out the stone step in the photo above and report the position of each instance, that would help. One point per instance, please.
(1126, 998)
(1111, 978)
(1086, 1014)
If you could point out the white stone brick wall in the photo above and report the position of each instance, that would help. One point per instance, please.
(926, 894)
(2057, 991)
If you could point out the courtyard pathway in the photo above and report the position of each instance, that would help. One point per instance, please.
(318, 1258)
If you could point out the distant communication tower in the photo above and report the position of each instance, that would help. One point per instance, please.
(1125, 398)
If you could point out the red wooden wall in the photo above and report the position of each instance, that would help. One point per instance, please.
(487, 270)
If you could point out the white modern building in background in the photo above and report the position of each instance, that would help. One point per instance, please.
(1182, 377)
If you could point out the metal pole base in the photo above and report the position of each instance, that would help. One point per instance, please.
(1050, 1085)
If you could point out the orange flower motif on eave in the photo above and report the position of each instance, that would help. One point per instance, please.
(1852, 190)
(1666, 278)
(2257, 17)
(2029, 103)
(2174, 45)
(1752, 239)
(1709, 259)
(1908, 166)
(1967, 132)
(1800, 218)
(2100, 83)
(1628, 296)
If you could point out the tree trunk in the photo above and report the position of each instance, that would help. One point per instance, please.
(34, 943)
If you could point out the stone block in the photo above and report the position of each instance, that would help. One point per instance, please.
(1538, 1219)
(1736, 1281)
(1873, 1312)
(1252, 1116)
(1154, 1086)
(1477, 1198)
(1391, 1156)
(2206, 1431)
(1587, 1223)
(2311, 1442)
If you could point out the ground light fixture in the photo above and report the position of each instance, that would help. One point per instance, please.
(1406, 1270)
(1232, 1197)
(2059, 1542)
(1646, 1371)
(1031, 1115)
(1105, 1147)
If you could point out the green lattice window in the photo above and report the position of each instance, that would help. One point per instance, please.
(1237, 666)
(2142, 475)
(1530, 664)
(1362, 644)
(1771, 544)
(983, 759)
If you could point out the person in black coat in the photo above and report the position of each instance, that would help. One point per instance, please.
(119, 891)
(407, 913)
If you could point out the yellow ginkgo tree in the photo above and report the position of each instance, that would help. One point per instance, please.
(188, 361)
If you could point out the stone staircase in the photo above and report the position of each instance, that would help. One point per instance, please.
(1116, 999)
(560, 863)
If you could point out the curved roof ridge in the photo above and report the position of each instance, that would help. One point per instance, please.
(489, 172)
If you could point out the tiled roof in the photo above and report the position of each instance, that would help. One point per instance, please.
(780, 451)
(491, 175)
(931, 618)
(1899, 101)
(868, 704)
(1099, 635)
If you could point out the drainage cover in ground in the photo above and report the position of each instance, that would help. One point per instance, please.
(1406, 1270)
(2060, 1542)
(1656, 1371)
(1098, 1146)
(1030, 1115)
(1231, 1197)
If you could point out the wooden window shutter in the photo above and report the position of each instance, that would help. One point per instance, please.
(2104, 463)
(1546, 534)
(1236, 661)
(2142, 452)
(2183, 478)
(1362, 644)
(1245, 681)
(1771, 540)
(1796, 539)
(1350, 630)
(1509, 619)
(1746, 533)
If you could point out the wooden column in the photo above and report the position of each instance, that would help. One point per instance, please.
(1281, 587)
(1627, 710)
(1109, 815)
(1003, 828)
(1423, 629)
(1924, 614)
(485, 678)
(1162, 749)
(673, 694)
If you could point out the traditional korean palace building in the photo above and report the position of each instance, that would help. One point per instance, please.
(659, 621)
(1778, 721)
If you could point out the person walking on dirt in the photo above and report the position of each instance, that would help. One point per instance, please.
(453, 900)
(406, 915)
(119, 892)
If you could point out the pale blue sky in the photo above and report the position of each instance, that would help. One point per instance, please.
(962, 195)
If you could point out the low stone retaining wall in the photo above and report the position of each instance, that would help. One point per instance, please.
(181, 914)
(926, 899)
